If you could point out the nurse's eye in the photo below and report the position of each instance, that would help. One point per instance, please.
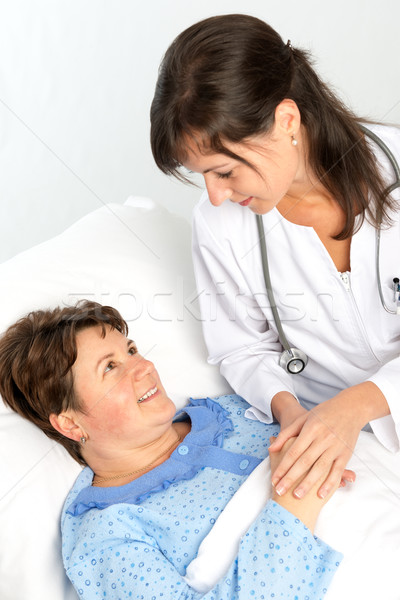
(224, 175)
(109, 367)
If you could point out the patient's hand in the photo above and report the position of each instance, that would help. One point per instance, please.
(307, 508)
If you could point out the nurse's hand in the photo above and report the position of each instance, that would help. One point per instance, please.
(306, 509)
(326, 437)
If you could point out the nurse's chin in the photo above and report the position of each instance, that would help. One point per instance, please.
(258, 209)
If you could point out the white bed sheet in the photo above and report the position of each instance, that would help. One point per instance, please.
(362, 521)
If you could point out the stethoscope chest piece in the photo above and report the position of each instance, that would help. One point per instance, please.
(293, 360)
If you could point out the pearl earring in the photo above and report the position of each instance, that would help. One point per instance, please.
(83, 440)
(294, 141)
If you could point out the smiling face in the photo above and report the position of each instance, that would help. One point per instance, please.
(123, 401)
(275, 171)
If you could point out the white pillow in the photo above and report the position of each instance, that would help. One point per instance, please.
(137, 258)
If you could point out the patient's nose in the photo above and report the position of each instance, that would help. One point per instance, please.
(141, 368)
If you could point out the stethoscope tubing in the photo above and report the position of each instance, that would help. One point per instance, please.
(268, 285)
(396, 184)
(293, 355)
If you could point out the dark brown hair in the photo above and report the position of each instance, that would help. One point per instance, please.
(36, 357)
(223, 78)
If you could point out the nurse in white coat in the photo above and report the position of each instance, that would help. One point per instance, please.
(247, 111)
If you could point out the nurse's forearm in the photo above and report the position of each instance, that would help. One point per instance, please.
(285, 408)
(365, 401)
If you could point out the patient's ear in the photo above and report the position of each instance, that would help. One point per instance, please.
(65, 424)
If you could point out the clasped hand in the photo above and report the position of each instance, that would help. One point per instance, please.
(326, 437)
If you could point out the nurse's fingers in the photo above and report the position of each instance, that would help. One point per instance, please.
(331, 481)
(319, 470)
(306, 509)
(285, 434)
(296, 463)
(348, 476)
(276, 457)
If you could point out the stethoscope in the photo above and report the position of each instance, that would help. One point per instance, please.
(294, 360)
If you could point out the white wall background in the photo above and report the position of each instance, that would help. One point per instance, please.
(77, 79)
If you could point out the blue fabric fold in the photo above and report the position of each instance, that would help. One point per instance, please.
(210, 424)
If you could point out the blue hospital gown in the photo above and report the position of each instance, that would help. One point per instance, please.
(135, 541)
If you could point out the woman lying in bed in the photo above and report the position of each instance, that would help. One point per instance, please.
(155, 480)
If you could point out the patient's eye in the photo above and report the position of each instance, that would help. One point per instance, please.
(132, 348)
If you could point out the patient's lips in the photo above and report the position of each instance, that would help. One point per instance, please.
(148, 395)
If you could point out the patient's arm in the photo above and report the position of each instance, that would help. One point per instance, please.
(307, 508)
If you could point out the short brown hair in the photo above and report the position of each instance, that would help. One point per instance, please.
(36, 357)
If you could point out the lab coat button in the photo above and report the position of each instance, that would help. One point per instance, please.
(182, 450)
(244, 464)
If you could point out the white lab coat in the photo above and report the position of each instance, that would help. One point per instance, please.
(342, 327)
